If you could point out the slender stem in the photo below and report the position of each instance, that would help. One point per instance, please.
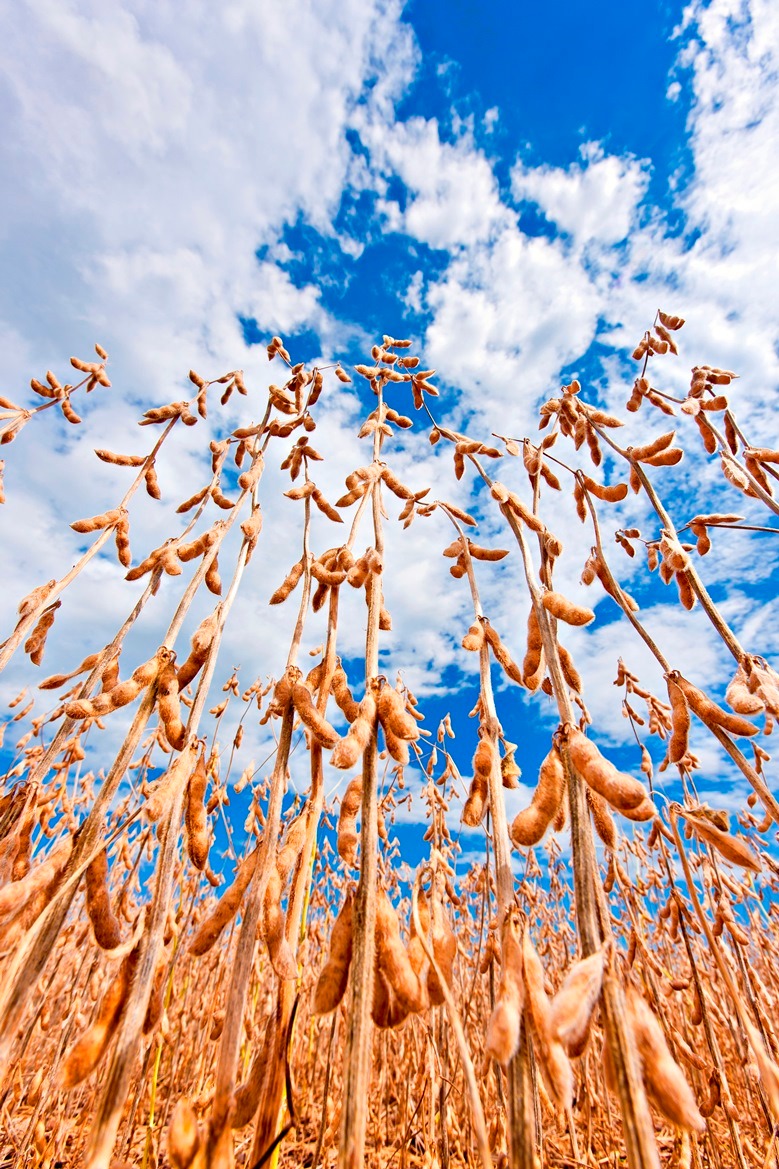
(359, 1034)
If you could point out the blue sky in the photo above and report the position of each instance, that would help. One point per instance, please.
(517, 188)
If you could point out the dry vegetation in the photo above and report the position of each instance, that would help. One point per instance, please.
(617, 1008)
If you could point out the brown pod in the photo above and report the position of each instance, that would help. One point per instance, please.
(484, 757)
(732, 848)
(121, 460)
(212, 579)
(650, 449)
(503, 1029)
(334, 976)
(509, 771)
(621, 790)
(393, 715)
(739, 697)
(152, 483)
(22, 849)
(686, 591)
(147, 672)
(386, 1011)
(105, 924)
(36, 642)
(565, 610)
(602, 818)
(680, 721)
(572, 1008)
(664, 1080)
(642, 812)
(169, 707)
(87, 1052)
(201, 642)
(226, 907)
(714, 1097)
(294, 840)
(156, 1004)
(193, 500)
(97, 522)
(325, 507)
(708, 712)
(613, 494)
(532, 666)
(444, 947)
(252, 527)
(502, 655)
(552, 1058)
(196, 547)
(530, 825)
(570, 673)
(393, 960)
(476, 805)
(273, 923)
(109, 672)
(666, 458)
(474, 638)
(31, 883)
(282, 691)
(347, 822)
(57, 680)
(184, 1139)
(288, 584)
(398, 748)
(163, 790)
(315, 722)
(196, 818)
(348, 750)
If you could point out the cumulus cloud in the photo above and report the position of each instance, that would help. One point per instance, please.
(453, 199)
(594, 202)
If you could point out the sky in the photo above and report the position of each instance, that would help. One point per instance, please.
(514, 187)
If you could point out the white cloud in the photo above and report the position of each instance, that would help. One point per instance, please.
(595, 201)
(138, 194)
(453, 195)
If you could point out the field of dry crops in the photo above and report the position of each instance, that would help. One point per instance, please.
(599, 989)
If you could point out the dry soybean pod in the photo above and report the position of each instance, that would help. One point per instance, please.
(225, 909)
(105, 924)
(196, 818)
(87, 1052)
(315, 722)
(565, 610)
(504, 1028)
(680, 722)
(529, 826)
(347, 822)
(708, 712)
(665, 1082)
(478, 794)
(621, 790)
(348, 750)
(572, 1008)
(533, 664)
